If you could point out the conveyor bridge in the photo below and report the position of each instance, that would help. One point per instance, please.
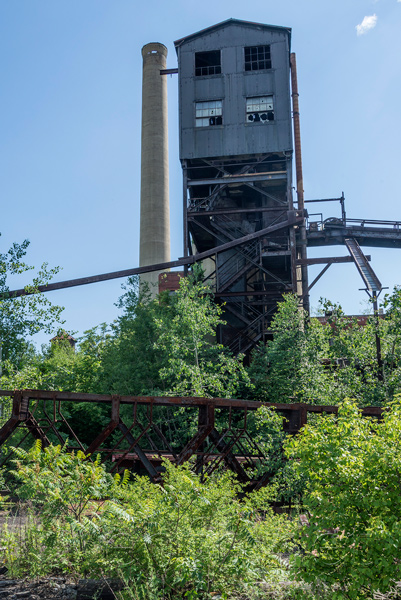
(367, 232)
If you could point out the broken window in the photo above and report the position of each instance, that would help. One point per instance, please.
(259, 109)
(257, 58)
(209, 113)
(207, 63)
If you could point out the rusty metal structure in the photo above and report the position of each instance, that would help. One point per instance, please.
(239, 136)
(137, 434)
(236, 151)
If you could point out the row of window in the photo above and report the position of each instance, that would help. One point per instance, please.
(258, 110)
(256, 58)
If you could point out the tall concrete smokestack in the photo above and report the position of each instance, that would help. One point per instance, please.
(155, 211)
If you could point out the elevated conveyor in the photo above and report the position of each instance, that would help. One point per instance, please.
(374, 233)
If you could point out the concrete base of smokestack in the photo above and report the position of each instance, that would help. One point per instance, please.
(155, 209)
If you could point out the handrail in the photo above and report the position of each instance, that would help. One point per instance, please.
(333, 222)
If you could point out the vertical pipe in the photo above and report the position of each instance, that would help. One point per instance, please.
(185, 211)
(380, 373)
(300, 183)
(155, 210)
(293, 245)
(297, 131)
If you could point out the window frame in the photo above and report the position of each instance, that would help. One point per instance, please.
(209, 113)
(211, 70)
(258, 60)
(252, 108)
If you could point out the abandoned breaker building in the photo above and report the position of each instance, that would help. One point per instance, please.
(236, 152)
(239, 134)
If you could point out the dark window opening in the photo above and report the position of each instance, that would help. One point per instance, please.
(207, 63)
(257, 58)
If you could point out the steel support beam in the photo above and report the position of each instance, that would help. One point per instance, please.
(328, 259)
(267, 176)
(293, 218)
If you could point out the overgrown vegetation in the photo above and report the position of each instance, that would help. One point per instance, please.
(25, 315)
(167, 346)
(308, 361)
(352, 538)
(184, 538)
(193, 539)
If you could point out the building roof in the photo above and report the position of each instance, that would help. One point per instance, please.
(231, 22)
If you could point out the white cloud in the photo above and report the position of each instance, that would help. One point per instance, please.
(367, 24)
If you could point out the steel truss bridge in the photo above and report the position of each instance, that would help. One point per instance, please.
(137, 436)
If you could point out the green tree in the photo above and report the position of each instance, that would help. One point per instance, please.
(353, 467)
(24, 316)
(352, 365)
(390, 333)
(196, 364)
(289, 367)
(312, 362)
(168, 345)
(130, 358)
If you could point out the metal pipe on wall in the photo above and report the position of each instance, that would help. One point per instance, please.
(155, 209)
(303, 292)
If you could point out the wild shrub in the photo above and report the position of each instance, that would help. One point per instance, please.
(194, 539)
(353, 539)
(65, 496)
(180, 539)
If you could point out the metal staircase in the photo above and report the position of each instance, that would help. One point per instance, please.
(369, 277)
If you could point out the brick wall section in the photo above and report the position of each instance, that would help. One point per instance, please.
(170, 282)
(361, 319)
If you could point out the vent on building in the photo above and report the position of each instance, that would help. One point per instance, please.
(207, 63)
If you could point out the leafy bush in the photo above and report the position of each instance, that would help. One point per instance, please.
(180, 539)
(353, 539)
(66, 496)
(193, 539)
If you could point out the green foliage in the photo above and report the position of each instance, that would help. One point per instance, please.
(353, 491)
(286, 484)
(390, 333)
(353, 368)
(192, 539)
(131, 359)
(67, 492)
(319, 363)
(289, 368)
(182, 539)
(196, 365)
(167, 345)
(26, 315)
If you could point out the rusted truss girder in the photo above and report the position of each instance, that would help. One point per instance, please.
(135, 437)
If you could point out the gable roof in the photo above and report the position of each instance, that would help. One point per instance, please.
(231, 22)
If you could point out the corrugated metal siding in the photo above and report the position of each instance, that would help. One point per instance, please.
(233, 86)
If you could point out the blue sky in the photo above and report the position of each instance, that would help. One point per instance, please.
(70, 128)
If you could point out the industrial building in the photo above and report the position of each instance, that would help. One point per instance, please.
(244, 212)
(236, 151)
